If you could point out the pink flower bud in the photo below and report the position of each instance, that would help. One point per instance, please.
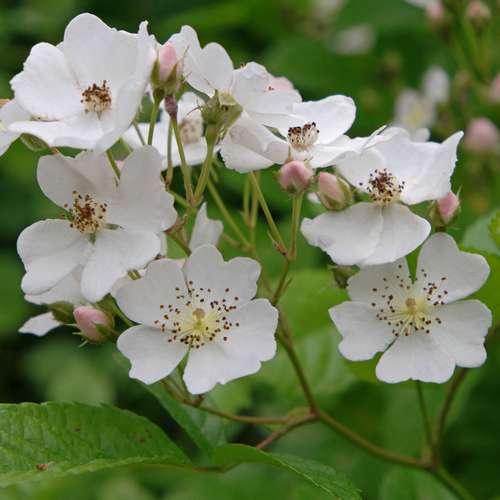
(295, 176)
(495, 88)
(448, 207)
(168, 62)
(478, 13)
(280, 83)
(481, 135)
(87, 318)
(334, 192)
(435, 12)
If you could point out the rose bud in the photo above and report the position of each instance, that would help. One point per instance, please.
(448, 207)
(87, 317)
(478, 13)
(295, 176)
(334, 193)
(481, 135)
(435, 12)
(167, 71)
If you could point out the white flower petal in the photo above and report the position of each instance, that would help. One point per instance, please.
(462, 331)
(162, 283)
(98, 52)
(88, 174)
(141, 201)
(250, 146)
(151, 355)
(356, 168)
(402, 232)
(371, 282)
(67, 290)
(349, 236)
(414, 110)
(333, 116)
(254, 337)
(416, 357)
(205, 230)
(235, 280)
(81, 131)
(46, 87)
(464, 272)
(40, 325)
(50, 250)
(116, 252)
(212, 364)
(436, 84)
(10, 113)
(363, 335)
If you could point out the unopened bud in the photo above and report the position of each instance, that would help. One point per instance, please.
(89, 319)
(167, 71)
(448, 207)
(481, 135)
(295, 176)
(478, 13)
(221, 110)
(334, 192)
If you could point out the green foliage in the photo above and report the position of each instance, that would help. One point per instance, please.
(56, 439)
(320, 475)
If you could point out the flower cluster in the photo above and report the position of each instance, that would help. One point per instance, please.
(105, 261)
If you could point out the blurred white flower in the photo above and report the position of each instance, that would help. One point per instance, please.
(417, 111)
(394, 174)
(84, 92)
(191, 130)
(423, 327)
(110, 230)
(355, 40)
(204, 310)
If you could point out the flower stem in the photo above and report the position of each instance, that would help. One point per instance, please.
(112, 161)
(139, 133)
(281, 285)
(452, 484)
(211, 136)
(225, 212)
(170, 163)
(452, 391)
(368, 446)
(186, 172)
(296, 209)
(152, 119)
(285, 429)
(180, 241)
(267, 213)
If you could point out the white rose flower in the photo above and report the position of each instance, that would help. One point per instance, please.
(84, 92)
(191, 130)
(422, 327)
(67, 290)
(203, 310)
(111, 229)
(9, 113)
(394, 173)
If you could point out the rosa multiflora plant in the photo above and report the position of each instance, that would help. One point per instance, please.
(153, 122)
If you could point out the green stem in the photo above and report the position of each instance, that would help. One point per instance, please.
(285, 429)
(152, 120)
(139, 133)
(452, 484)
(296, 209)
(425, 415)
(211, 136)
(186, 172)
(225, 212)
(267, 213)
(281, 284)
(170, 163)
(112, 161)
(180, 241)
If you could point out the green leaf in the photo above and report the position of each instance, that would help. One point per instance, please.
(322, 476)
(179, 413)
(494, 228)
(57, 439)
(479, 236)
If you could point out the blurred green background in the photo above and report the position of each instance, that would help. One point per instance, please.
(302, 39)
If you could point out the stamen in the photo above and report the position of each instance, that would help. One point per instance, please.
(191, 130)
(96, 98)
(86, 214)
(302, 138)
(384, 188)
